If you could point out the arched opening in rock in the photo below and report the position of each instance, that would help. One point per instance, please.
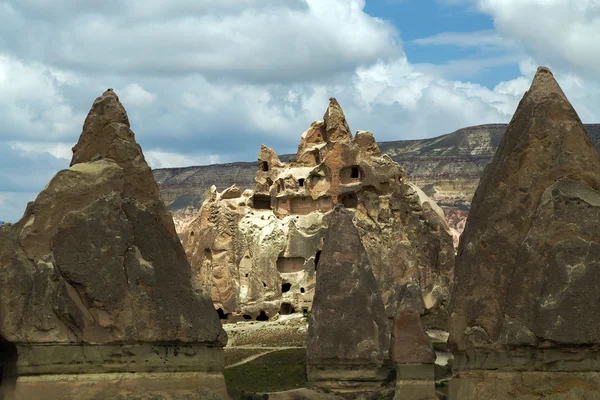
(264, 166)
(301, 182)
(286, 309)
(192, 233)
(8, 362)
(262, 316)
(317, 258)
(301, 290)
(222, 314)
(286, 287)
(261, 202)
(350, 174)
(290, 264)
(246, 316)
(349, 200)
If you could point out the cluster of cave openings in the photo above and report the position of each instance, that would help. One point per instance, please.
(348, 200)
(286, 309)
(350, 174)
(286, 265)
(222, 314)
(261, 202)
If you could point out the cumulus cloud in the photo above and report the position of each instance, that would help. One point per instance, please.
(559, 32)
(206, 81)
(263, 40)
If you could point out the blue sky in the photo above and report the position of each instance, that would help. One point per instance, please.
(208, 81)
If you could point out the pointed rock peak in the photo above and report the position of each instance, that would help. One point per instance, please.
(335, 122)
(106, 122)
(544, 85)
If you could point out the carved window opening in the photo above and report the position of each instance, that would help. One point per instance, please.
(262, 316)
(286, 287)
(264, 166)
(301, 290)
(287, 265)
(286, 309)
(354, 174)
(301, 182)
(261, 202)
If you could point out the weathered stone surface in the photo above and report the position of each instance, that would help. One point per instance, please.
(258, 253)
(528, 269)
(348, 324)
(95, 261)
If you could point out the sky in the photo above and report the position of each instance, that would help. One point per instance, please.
(207, 81)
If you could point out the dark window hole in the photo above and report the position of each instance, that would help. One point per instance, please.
(222, 314)
(262, 316)
(286, 287)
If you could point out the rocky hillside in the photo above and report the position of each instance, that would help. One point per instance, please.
(446, 167)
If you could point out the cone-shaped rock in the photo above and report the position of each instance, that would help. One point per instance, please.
(93, 280)
(347, 336)
(527, 277)
(336, 127)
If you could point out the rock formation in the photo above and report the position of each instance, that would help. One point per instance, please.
(412, 351)
(348, 338)
(256, 251)
(447, 168)
(525, 311)
(96, 299)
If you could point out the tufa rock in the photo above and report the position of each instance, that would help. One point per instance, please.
(258, 253)
(89, 277)
(528, 272)
(347, 334)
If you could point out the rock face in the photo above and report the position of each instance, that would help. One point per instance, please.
(412, 351)
(95, 281)
(525, 310)
(348, 338)
(256, 251)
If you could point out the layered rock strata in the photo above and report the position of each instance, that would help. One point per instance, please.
(348, 340)
(256, 251)
(97, 300)
(525, 312)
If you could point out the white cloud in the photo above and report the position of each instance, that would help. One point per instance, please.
(165, 159)
(559, 32)
(271, 41)
(488, 38)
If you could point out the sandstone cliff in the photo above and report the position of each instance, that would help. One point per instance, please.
(95, 281)
(525, 311)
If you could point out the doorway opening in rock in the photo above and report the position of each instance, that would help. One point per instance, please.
(261, 202)
(286, 309)
(301, 182)
(349, 200)
(262, 316)
(222, 314)
(8, 362)
(246, 316)
(354, 173)
(286, 287)
(265, 166)
(317, 258)
(301, 290)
